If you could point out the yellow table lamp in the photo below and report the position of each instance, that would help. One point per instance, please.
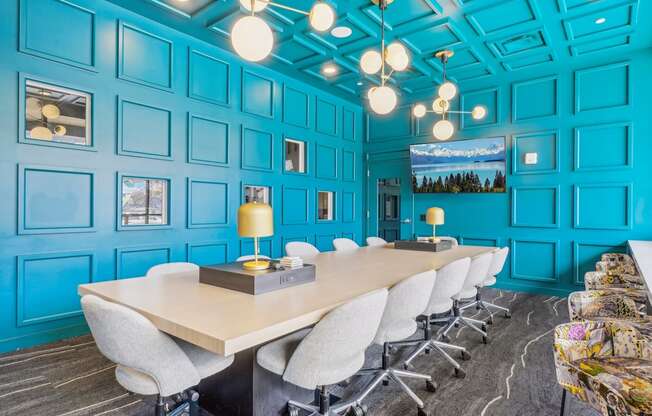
(435, 217)
(255, 220)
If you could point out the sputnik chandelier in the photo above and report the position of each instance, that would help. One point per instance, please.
(444, 129)
(382, 99)
(253, 39)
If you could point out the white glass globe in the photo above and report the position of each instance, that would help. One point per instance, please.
(322, 17)
(479, 112)
(440, 105)
(447, 90)
(443, 130)
(60, 130)
(382, 100)
(259, 5)
(371, 62)
(40, 132)
(419, 110)
(252, 38)
(397, 57)
(51, 111)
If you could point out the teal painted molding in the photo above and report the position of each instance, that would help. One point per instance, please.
(585, 195)
(186, 106)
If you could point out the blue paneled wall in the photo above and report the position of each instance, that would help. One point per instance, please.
(164, 106)
(590, 190)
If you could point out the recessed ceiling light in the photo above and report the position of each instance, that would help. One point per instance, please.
(600, 20)
(329, 70)
(341, 32)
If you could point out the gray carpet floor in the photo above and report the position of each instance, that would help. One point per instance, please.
(513, 375)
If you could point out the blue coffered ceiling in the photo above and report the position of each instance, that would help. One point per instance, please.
(490, 37)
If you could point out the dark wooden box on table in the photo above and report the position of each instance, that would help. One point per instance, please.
(423, 245)
(255, 282)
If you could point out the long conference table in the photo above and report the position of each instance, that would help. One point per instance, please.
(228, 322)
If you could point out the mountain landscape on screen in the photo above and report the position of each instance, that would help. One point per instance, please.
(465, 166)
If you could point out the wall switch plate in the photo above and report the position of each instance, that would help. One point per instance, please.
(531, 158)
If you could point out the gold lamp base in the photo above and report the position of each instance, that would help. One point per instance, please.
(255, 265)
(435, 240)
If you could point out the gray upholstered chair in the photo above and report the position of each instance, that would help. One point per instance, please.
(300, 249)
(406, 300)
(376, 242)
(497, 265)
(477, 274)
(345, 244)
(252, 257)
(449, 282)
(150, 362)
(329, 353)
(172, 268)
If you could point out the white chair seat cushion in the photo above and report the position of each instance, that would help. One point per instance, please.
(489, 281)
(275, 356)
(395, 332)
(135, 381)
(467, 293)
(206, 362)
(439, 306)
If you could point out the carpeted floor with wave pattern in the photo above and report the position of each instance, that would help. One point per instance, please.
(513, 375)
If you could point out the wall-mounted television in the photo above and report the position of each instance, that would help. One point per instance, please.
(465, 166)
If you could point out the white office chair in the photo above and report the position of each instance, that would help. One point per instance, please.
(452, 240)
(376, 242)
(449, 282)
(148, 361)
(252, 257)
(300, 249)
(345, 244)
(172, 268)
(497, 265)
(329, 353)
(406, 300)
(477, 274)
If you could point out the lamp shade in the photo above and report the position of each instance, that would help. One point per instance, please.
(435, 216)
(255, 220)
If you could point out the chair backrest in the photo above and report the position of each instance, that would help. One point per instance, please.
(406, 300)
(345, 244)
(498, 261)
(478, 270)
(252, 257)
(452, 240)
(375, 242)
(334, 350)
(172, 268)
(130, 340)
(450, 279)
(300, 249)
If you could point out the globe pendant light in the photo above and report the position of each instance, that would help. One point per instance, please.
(253, 39)
(383, 99)
(444, 129)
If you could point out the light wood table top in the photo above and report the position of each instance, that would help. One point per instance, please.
(226, 321)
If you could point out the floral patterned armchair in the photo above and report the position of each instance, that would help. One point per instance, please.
(603, 280)
(607, 364)
(629, 304)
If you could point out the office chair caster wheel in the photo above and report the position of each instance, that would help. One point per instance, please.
(485, 340)
(427, 351)
(465, 355)
(357, 410)
(385, 382)
(421, 412)
(484, 327)
(293, 411)
(508, 315)
(490, 321)
(459, 373)
(445, 338)
(431, 386)
(457, 325)
(407, 366)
